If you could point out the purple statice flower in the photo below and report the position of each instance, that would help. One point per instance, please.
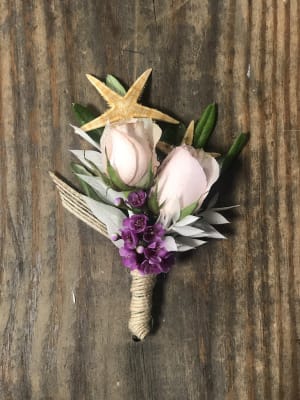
(167, 262)
(155, 251)
(157, 259)
(129, 258)
(146, 268)
(137, 199)
(153, 232)
(130, 238)
(143, 247)
(137, 223)
(149, 267)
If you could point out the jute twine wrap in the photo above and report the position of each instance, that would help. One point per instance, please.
(141, 304)
(74, 202)
(141, 285)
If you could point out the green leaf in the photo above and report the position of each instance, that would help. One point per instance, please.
(115, 85)
(94, 169)
(235, 149)
(205, 126)
(106, 179)
(116, 181)
(173, 134)
(87, 189)
(188, 210)
(79, 169)
(201, 122)
(153, 203)
(84, 115)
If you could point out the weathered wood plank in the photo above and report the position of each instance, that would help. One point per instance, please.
(229, 318)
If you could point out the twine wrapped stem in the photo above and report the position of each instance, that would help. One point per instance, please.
(141, 304)
(141, 285)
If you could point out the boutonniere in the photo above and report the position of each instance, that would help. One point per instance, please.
(147, 189)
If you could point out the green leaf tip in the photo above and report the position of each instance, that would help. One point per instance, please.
(86, 188)
(84, 115)
(188, 210)
(237, 146)
(205, 126)
(115, 85)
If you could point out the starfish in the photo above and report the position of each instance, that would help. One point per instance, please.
(124, 107)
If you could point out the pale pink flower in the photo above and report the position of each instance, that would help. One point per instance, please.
(184, 179)
(130, 148)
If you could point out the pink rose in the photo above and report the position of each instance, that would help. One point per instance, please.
(130, 148)
(184, 180)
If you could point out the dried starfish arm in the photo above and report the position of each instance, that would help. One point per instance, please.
(109, 95)
(135, 91)
(124, 107)
(147, 112)
(108, 116)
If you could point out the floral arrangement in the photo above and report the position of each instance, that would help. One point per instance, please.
(148, 189)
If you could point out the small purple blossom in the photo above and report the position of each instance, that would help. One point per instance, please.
(167, 262)
(146, 268)
(164, 266)
(137, 223)
(129, 258)
(155, 251)
(130, 239)
(143, 247)
(153, 232)
(137, 199)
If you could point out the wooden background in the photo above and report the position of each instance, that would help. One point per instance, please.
(228, 316)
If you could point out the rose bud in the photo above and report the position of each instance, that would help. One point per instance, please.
(128, 152)
(183, 182)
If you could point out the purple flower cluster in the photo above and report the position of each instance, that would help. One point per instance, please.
(144, 246)
(137, 199)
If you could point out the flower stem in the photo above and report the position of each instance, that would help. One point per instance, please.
(141, 304)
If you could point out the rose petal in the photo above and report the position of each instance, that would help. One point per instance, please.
(130, 147)
(210, 166)
(183, 177)
(143, 158)
(123, 153)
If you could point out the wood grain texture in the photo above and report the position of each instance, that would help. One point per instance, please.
(228, 315)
